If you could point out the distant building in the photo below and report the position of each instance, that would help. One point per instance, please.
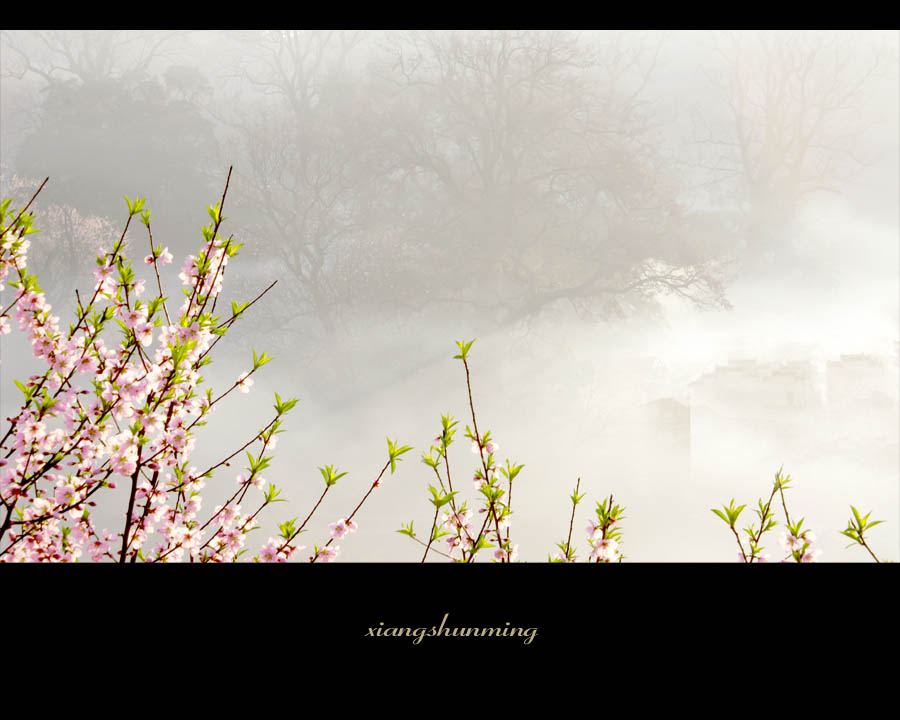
(764, 412)
(858, 377)
(745, 388)
(670, 420)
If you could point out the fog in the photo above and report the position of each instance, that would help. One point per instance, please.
(678, 254)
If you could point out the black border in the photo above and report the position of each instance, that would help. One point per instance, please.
(663, 606)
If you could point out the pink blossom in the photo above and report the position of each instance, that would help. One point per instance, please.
(811, 555)
(244, 382)
(790, 542)
(338, 529)
(103, 272)
(132, 317)
(509, 556)
(606, 549)
(342, 527)
(489, 448)
(269, 551)
(327, 554)
(86, 364)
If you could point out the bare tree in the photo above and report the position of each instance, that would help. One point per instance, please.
(533, 175)
(59, 56)
(103, 118)
(793, 122)
(298, 144)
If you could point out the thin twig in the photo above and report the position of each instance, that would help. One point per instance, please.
(572, 519)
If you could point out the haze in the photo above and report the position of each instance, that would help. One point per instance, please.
(679, 255)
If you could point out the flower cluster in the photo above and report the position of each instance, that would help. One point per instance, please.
(463, 536)
(276, 551)
(460, 530)
(605, 534)
(795, 541)
(104, 410)
(798, 544)
(342, 527)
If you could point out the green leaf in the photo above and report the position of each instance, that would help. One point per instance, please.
(463, 349)
(395, 452)
(281, 407)
(330, 474)
(259, 361)
(272, 494)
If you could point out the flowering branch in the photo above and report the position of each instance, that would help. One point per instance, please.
(568, 554)
(855, 530)
(343, 526)
(134, 418)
